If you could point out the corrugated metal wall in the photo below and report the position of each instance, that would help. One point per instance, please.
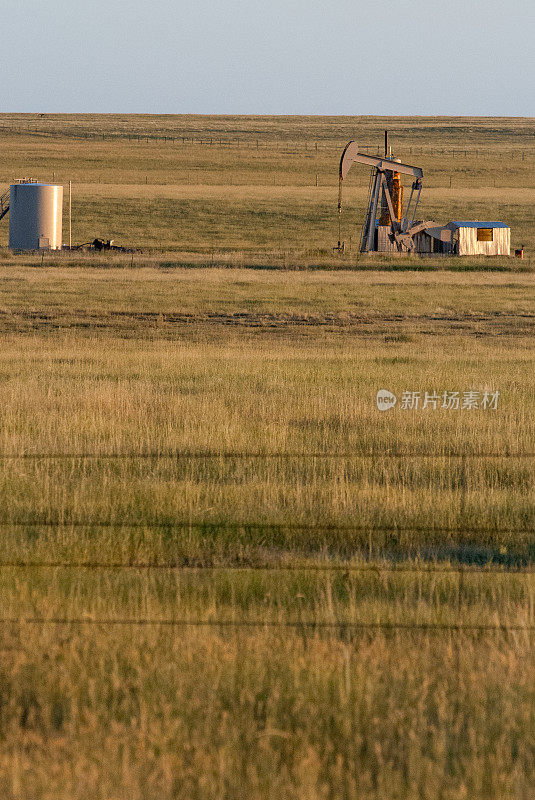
(469, 246)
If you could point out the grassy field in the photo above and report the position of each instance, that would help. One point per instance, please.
(224, 572)
(263, 190)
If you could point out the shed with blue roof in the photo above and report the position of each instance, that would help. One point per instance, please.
(470, 238)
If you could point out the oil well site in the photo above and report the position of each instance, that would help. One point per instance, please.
(263, 191)
(267, 457)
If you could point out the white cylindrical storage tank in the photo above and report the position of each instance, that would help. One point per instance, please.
(35, 216)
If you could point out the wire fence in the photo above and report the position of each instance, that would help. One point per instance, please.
(276, 624)
(217, 139)
(259, 455)
(316, 625)
(375, 568)
(259, 526)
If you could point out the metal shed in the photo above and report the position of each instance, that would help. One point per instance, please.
(479, 238)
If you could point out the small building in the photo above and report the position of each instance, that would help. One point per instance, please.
(479, 238)
(435, 240)
(465, 238)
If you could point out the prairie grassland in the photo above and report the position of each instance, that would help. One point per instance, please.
(114, 713)
(226, 574)
(243, 188)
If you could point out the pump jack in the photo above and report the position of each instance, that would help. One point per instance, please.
(395, 230)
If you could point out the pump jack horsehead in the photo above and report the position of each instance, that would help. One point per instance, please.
(396, 230)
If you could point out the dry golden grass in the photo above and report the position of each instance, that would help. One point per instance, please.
(146, 714)
(206, 521)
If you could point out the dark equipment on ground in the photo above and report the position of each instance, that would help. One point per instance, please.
(103, 244)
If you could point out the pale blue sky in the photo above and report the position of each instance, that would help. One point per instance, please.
(269, 57)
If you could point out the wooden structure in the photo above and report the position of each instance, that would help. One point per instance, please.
(465, 238)
(479, 238)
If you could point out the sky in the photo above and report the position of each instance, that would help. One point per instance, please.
(419, 57)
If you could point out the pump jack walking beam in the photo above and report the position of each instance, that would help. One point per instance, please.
(351, 154)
